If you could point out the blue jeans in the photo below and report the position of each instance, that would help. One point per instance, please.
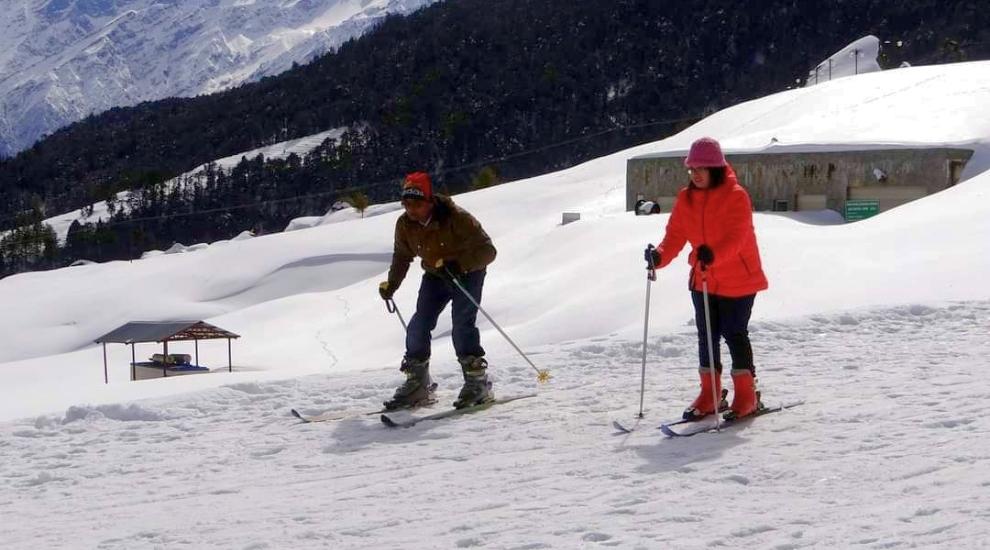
(435, 293)
(729, 320)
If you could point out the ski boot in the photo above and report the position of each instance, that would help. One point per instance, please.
(477, 387)
(417, 391)
(745, 398)
(704, 404)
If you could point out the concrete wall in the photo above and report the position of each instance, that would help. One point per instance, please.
(812, 179)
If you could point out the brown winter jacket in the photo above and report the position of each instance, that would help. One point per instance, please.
(452, 235)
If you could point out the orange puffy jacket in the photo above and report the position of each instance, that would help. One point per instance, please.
(722, 218)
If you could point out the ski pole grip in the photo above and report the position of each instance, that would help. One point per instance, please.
(651, 271)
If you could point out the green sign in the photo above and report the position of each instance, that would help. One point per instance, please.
(860, 209)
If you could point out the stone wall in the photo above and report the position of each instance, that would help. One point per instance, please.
(894, 176)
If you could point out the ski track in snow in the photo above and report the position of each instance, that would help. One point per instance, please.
(895, 414)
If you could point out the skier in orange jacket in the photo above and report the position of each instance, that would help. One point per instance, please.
(715, 215)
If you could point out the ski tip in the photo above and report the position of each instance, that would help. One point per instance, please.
(388, 421)
(668, 431)
(776, 408)
(620, 428)
(296, 414)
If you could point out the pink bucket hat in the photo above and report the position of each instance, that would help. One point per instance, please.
(705, 153)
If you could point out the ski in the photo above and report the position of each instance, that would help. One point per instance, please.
(394, 423)
(343, 415)
(708, 424)
(333, 415)
(623, 429)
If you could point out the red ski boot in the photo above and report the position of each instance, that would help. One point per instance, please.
(745, 400)
(705, 405)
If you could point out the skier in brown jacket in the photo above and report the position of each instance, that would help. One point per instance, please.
(452, 244)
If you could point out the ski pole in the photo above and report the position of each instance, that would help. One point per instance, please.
(392, 308)
(542, 376)
(651, 275)
(711, 347)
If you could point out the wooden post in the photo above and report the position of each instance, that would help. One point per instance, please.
(133, 360)
(230, 362)
(106, 377)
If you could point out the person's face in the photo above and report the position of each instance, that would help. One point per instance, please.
(700, 177)
(418, 210)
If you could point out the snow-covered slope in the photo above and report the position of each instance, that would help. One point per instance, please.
(61, 60)
(523, 217)
(881, 326)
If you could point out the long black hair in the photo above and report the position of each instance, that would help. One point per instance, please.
(717, 174)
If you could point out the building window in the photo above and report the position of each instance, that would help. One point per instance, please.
(781, 205)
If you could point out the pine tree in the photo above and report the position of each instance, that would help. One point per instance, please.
(485, 178)
(359, 201)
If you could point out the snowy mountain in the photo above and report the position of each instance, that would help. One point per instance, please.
(880, 326)
(61, 60)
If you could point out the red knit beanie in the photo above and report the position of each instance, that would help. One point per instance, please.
(417, 186)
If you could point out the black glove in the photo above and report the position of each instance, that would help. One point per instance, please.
(651, 255)
(386, 290)
(705, 255)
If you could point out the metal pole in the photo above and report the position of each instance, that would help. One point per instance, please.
(830, 68)
(711, 347)
(651, 275)
(106, 377)
(856, 64)
(165, 361)
(543, 375)
(230, 361)
(392, 308)
(133, 360)
(196, 342)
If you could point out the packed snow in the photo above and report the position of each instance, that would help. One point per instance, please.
(881, 326)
